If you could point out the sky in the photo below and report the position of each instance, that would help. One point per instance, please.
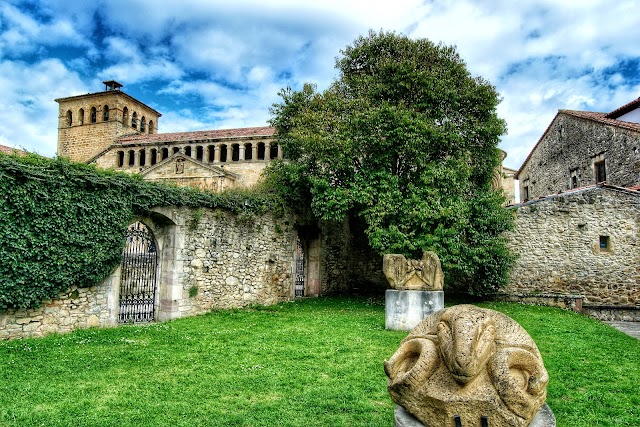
(210, 64)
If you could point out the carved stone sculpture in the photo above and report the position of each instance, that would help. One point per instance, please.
(471, 362)
(417, 275)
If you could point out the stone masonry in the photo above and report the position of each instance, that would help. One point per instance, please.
(580, 243)
(566, 154)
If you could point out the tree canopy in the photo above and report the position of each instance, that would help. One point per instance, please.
(405, 139)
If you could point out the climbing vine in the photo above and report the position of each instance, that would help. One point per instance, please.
(62, 223)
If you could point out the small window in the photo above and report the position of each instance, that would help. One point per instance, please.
(120, 159)
(125, 115)
(605, 244)
(187, 151)
(134, 120)
(94, 115)
(142, 157)
(81, 116)
(154, 156)
(165, 153)
(248, 152)
(525, 193)
(69, 118)
(223, 153)
(199, 153)
(143, 124)
(574, 182)
(600, 170)
(273, 152)
(235, 152)
(132, 157)
(151, 130)
(105, 113)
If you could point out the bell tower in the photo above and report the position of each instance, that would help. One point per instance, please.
(89, 124)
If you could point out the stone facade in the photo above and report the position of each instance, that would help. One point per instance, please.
(582, 148)
(88, 124)
(582, 243)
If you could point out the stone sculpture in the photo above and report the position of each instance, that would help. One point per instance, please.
(470, 362)
(418, 275)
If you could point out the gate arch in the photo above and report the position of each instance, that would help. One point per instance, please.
(138, 284)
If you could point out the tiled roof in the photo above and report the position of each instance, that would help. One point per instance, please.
(601, 118)
(624, 109)
(198, 135)
(10, 150)
(580, 190)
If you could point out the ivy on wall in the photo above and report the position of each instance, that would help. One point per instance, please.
(63, 223)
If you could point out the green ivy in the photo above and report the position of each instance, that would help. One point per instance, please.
(62, 223)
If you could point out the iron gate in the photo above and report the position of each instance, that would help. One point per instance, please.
(138, 278)
(300, 274)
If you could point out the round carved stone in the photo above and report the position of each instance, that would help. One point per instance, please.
(468, 362)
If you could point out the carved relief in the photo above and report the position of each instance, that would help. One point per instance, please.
(423, 275)
(471, 362)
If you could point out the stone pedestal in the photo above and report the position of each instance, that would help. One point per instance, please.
(544, 418)
(405, 309)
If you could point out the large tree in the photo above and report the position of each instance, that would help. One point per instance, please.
(405, 139)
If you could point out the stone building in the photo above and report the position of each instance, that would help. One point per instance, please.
(580, 247)
(581, 148)
(114, 130)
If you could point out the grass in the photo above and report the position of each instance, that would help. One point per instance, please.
(310, 363)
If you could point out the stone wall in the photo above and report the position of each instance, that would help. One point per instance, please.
(558, 240)
(569, 147)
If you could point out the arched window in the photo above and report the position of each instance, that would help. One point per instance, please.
(94, 116)
(134, 120)
(199, 153)
(187, 151)
(120, 161)
(211, 152)
(176, 150)
(142, 159)
(143, 124)
(223, 153)
(125, 115)
(81, 116)
(154, 156)
(105, 113)
(132, 157)
(261, 151)
(274, 152)
(151, 130)
(165, 153)
(235, 152)
(248, 151)
(69, 118)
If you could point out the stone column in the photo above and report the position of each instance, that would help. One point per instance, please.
(241, 153)
(280, 152)
(254, 151)
(267, 151)
(148, 153)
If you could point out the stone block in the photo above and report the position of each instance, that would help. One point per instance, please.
(406, 309)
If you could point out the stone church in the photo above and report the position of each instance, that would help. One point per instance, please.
(114, 130)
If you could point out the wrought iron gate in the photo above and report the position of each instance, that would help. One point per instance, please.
(300, 273)
(138, 278)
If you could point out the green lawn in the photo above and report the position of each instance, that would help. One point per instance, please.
(310, 363)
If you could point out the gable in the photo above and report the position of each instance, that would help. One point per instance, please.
(187, 172)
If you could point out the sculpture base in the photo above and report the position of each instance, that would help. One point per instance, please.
(544, 418)
(405, 309)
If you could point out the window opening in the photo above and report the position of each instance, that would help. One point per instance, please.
(601, 173)
(248, 153)
(165, 153)
(69, 118)
(143, 157)
(134, 120)
(93, 115)
(151, 130)
(120, 159)
(604, 244)
(223, 153)
(261, 151)
(81, 116)
(235, 152)
(105, 113)
(176, 149)
(211, 153)
(187, 151)
(199, 153)
(273, 152)
(132, 157)
(125, 115)
(143, 124)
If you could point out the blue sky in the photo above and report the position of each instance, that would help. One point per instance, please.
(209, 64)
